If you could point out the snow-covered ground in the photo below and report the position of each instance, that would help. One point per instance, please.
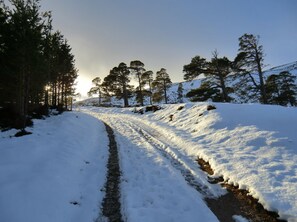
(64, 160)
(45, 174)
(252, 146)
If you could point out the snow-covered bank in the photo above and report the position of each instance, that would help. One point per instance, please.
(252, 146)
(56, 173)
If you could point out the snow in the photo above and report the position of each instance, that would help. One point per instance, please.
(63, 161)
(239, 218)
(152, 189)
(252, 146)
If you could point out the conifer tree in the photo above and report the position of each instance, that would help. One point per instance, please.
(117, 82)
(31, 61)
(96, 89)
(195, 68)
(161, 84)
(147, 79)
(137, 68)
(180, 91)
(281, 89)
(217, 72)
(250, 61)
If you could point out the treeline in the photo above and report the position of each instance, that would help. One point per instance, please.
(241, 80)
(118, 84)
(36, 64)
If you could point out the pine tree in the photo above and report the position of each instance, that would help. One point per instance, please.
(180, 91)
(161, 84)
(217, 72)
(195, 68)
(96, 89)
(281, 89)
(147, 79)
(205, 92)
(117, 83)
(29, 63)
(250, 61)
(27, 26)
(137, 68)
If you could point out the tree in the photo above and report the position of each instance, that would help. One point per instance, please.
(195, 68)
(147, 79)
(137, 68)
(217, 72)
(281, 89)
(96, 89)
(161, 84)
(29, 63)
(250, 60)
(26, 29)
(180, 91)
(117, 82)
(204, 93)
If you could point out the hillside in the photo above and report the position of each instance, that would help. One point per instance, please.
(290, 67)
(187, 86)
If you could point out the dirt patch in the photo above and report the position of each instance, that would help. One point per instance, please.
(111, 206)
(236, 202)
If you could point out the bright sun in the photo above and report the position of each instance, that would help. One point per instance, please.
(84, 84)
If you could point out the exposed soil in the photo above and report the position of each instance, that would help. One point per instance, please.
(236, 202)
(111, 206)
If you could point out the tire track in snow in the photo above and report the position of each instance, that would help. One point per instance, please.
(174, 157)
(179, 161)
(111, 206)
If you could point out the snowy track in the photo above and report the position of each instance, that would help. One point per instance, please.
(158, 181)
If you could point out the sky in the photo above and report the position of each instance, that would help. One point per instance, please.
(168, 33)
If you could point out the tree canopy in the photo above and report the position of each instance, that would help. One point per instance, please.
(37, 66)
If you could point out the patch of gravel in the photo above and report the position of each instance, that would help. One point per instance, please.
(111, 206)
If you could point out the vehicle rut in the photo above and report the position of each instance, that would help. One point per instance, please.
(224, 206)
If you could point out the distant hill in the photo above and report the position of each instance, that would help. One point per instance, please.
(290, 67)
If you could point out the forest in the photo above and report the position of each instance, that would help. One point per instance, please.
(37, 68)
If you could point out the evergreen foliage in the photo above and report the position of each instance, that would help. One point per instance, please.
(195, 68)
(35, 63)
(281, 89)
(250, 63)
(147, 80)
(216, 72)
(161, 84)
(180, 92)
(204, 92)
(137, 68)
(96, 89)
(117, 83)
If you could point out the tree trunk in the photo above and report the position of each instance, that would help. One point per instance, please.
(125, 95)
(140, 90)
(165, 91)
(150, 86)
(223, 87)
(100, 96)
(262, 84)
